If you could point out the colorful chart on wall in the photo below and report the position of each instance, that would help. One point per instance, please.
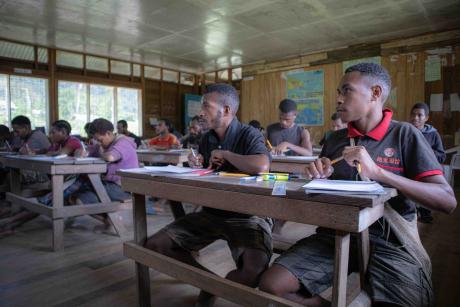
(374, 59)
(306, 88)
(192, 104)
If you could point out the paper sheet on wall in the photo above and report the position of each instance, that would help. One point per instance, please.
(436, 102)
(454, 102)
(433, 68)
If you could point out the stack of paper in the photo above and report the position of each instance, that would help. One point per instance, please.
(343, 186)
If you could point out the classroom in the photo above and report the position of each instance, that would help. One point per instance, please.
(229, 153)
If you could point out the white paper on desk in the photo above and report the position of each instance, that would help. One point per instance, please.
(296, 158)
(436, 102)
(357, 187)
(454, 102)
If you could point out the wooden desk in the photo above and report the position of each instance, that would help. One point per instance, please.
(175, 156)
(291, 164)
(57, 168)
(346, 214)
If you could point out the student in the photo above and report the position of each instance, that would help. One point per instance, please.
(336, 124)
(394, 154)
(122, 128)
(193, 137)
(6, 138)
(164, 139)
(228, 146)
(28, 141)
(418, 117)
(62, 142)
(120, 153)
(287, 135)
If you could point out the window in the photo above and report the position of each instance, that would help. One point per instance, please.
(24, 96)
(136, 70)
(152, 72)
(237, 73)
(73, 106)
(222, 75)
(120, 68)
(97, 64)
(80, 103)
(69, 59)
(170, 76)
(16, 51)
(187, 79)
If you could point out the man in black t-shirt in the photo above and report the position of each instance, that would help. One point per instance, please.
(228, 146)
(393, 153)
(122, 128)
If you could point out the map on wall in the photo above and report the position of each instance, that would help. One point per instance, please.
(306, 88)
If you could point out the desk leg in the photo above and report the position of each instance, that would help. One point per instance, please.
(363, 254)
(57, 182)
(15, 181)
(140, 235)
(177, 209)
(339, 288)
(115, 218)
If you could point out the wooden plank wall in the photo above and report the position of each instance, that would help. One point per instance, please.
(262, 92)
(164, 100)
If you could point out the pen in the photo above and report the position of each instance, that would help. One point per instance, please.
(336, 160)
(8, 145)
(193, 152)
(270, 147)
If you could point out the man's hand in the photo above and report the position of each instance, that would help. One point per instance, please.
(281, 148)
(217, 158)
(195, 161)
(354, 154)
(321, 168)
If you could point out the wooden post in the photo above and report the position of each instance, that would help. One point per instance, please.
(339, 287)
(58, 203)
(140, 235)
(363, 253)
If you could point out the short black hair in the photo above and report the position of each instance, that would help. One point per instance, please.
(100, 126)
(168, 124)
(422, 105)
(21, 120)
(4, 130)
(377, 73)
(335, 116)
(228, 95)
(63, 125)
(255, 123)
(123, 123)
(287, 106)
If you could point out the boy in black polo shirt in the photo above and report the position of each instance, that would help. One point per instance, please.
(418, 117)
(393, 153)
(228, 146)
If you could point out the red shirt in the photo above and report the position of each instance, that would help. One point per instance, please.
(166, 141)
(71, 142)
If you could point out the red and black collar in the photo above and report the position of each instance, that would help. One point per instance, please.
(378, 132)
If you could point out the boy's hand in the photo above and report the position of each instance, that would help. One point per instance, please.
(195, 161)
(319, 169)
(217, 158)
(354, 154)
(281, 148)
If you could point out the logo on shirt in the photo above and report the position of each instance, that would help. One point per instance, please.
(389, 152)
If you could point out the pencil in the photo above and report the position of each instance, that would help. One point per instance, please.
(270, 147)
(232, 174)
(336, 160)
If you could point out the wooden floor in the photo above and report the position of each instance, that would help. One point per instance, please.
(92, 271)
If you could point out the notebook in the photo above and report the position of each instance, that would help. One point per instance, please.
(343, 187)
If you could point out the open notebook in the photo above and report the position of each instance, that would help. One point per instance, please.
(169, 170)
(343, 187)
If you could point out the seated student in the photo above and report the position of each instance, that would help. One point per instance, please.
(394, 154)
(62, 142)
(122, 128)
(229, 146)
(119, 151)
(193, 137)
(28, 141)
(336, 124)
(418, 117)
(164, 139)
(6, 138)
(287, 135)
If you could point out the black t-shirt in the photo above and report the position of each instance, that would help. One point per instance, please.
(137, 139)
(394, 146)
(240, 139)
